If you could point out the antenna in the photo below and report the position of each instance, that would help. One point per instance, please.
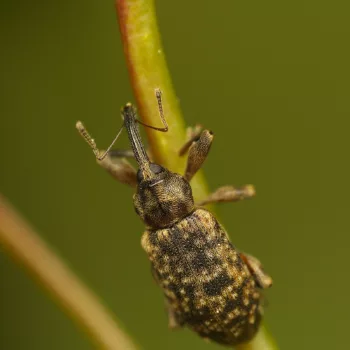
(87, 137)
(128, 107)
(165, 128)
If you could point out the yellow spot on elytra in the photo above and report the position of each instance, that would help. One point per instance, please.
(236, 311)
(239, 280)
(225, 265)
(186, 280)
(237, 333)
(251, 319)
(163, 234)
(198, 243)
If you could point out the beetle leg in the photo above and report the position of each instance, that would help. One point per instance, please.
(229, 194)
(198, 147)
(192, 134)
(262, 279)
(174, 320)
(113, 161)
(119, 167)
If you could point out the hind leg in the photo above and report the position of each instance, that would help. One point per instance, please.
(174, 319)
(262, 279)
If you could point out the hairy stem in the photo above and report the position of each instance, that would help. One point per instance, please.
(148, 71)
(25, 245)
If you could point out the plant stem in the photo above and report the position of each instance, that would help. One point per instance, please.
(30, 250)
(148, 71)
(262, 341)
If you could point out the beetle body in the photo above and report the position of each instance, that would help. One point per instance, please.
(208, 284)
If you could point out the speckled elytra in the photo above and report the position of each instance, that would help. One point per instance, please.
(209, 286)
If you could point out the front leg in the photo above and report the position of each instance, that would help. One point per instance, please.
(198, 147)
(119, 167)
(262, 279)
(112, 160)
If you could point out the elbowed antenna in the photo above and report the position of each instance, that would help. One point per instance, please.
(87, 137)
(130, 121)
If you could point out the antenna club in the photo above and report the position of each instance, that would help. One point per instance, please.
(249, 190)
(79, 125)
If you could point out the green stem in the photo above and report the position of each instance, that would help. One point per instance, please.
(148, 71)
(262, 341)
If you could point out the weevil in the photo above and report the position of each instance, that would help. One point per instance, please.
(208, 284)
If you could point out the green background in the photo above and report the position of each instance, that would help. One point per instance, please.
(270, 78)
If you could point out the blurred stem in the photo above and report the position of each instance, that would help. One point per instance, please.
(28, 248)
(148, 71)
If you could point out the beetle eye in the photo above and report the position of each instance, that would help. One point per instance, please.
(139, 176)
(155, 168)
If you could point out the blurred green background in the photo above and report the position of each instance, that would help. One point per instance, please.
(270, 78)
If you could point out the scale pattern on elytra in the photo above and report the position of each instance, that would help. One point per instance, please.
(207, 285)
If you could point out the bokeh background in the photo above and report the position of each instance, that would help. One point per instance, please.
(270, 78)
